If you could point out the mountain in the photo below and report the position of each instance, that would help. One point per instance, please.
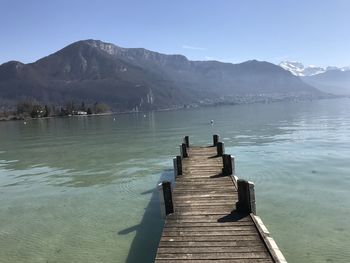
(332, 81)
(129, 78)
(298, 69)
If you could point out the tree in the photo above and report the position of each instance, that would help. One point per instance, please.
(89, 112)
(30, 107)
(70, 107)
(82, 106)
(25, 107)
(36, 111)
(101, 107)
(46, 111)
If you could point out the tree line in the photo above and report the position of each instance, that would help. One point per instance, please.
(34, 109)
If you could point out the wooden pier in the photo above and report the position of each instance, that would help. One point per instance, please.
(210, 213)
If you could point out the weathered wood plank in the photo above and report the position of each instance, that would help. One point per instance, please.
(167, 233)
(223, 209)
(209, 218)
(231, 244)
(254, 237)
(227, 255)
(212, 180)
(211, 249)
(207, 224)
(194, 204)
(206, 193)
(210, 228)
(241, 260)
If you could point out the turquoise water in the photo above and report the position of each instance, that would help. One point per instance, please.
(82, 189)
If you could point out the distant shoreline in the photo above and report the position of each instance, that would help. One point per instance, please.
(15, 117)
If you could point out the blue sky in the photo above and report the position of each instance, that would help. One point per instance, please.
(313, 32)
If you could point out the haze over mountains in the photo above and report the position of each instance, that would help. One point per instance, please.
(335, 80)
(136, 78)
(331, 81)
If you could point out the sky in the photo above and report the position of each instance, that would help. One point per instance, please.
(309, 31)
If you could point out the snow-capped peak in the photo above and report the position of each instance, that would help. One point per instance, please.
(298, 69)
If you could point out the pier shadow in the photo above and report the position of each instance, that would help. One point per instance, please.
(234, 216)
(218, 175)
(145, 243)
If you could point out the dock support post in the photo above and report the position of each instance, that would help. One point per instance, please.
(233, 165)
(177, 165)
(215, 139)
(220, 148)
(246, 197)
(187, 141)
(166, 198)
(228, 164)
(183, 150)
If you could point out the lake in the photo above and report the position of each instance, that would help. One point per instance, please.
(83, 189)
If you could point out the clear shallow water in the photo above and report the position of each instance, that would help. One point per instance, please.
(82, 189)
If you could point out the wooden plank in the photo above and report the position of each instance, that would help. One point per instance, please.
(253, 237)
(227, 255)
(206, 193)
(182, 184)
(167, 233)
(204, 218)
(209, 228)
(206, 201)
(206, 190)
(223, 209)
(194, 204)
(208, 224)
(206, 250)
(241, 260)
(189, 213)
(210, 180)
(231, 244)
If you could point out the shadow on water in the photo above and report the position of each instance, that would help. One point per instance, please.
(144, 246)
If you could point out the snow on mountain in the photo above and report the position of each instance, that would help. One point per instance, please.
(298, 69)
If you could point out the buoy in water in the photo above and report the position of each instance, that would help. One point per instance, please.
(212, 122)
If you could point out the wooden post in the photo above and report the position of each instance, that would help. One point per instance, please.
(227, 164)
(233, 165)
(177, 161)
(215, 139)
(246, 197)
(166, 198)
(220, 148)
(183, 150)
(252, 198)
(187, 141)
(175, 167)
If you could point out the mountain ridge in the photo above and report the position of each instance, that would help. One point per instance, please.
(129, 78)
